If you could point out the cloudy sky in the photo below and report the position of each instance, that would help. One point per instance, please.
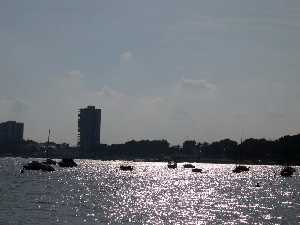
(171, 69)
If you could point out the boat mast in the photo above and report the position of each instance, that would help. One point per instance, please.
(47, 148)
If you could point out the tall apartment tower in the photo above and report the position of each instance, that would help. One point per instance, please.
(89, 122)
(11, 132)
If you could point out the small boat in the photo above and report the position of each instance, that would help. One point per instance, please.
(172, 165)
(197, 170)
(49, 162)
(67, 163)
(287, 171)
(126, 168)
(240, 168)
(188, 165)
(35, 165)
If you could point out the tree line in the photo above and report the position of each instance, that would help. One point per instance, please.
(285, 150)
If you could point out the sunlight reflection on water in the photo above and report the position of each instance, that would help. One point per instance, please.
(98, 192)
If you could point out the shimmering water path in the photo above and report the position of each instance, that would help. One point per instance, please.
(96, 192)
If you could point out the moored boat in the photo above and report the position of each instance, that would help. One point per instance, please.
(67, 163)
(188, 166)
(287, 171)
(172, 165)
(126, 168)
(35, 165)
(197, 170)
(240, 168)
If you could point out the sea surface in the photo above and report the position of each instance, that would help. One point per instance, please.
(97, 192)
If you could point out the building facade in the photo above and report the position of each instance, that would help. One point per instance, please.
(11, 132)
(89, 123)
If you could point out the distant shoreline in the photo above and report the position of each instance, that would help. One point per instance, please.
(283, 151)
(208, 161)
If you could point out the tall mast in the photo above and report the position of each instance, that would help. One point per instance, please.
(48, 143)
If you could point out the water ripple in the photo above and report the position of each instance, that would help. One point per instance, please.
(98, 192)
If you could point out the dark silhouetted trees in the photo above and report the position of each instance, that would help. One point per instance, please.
(285, 150)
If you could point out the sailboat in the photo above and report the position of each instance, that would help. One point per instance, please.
(43, 166)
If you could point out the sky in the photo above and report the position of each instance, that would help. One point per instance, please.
(172, 69)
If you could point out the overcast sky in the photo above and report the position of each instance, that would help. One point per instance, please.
(173, 69)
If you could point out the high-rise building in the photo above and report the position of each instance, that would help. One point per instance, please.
(11, 132)
(89, 122)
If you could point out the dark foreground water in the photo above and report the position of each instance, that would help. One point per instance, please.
(96, 192)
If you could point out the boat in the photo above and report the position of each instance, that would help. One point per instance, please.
(126, 168)
(240, 168)
(188, 166)
(287, 171)
(197, 170)
(35, 165)
(67, 163)
(172, 165)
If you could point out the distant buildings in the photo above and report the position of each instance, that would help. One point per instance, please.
(11, 132)
(89, 122)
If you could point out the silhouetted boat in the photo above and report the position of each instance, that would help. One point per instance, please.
(67, 163)
(172, 165)
(188, 165)
(197, 170)
(35, 165)
(126, 168)
(240, 168)
(50, 162)
(287, 171)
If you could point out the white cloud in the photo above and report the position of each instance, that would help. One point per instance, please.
(192, 84)
(13, 105)
(72, 79)
(126, 56)
(74, 75)
(13, 108)
(109, 93)
(19, 106)
(276, 115)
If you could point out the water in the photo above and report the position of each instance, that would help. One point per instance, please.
(96, 192)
